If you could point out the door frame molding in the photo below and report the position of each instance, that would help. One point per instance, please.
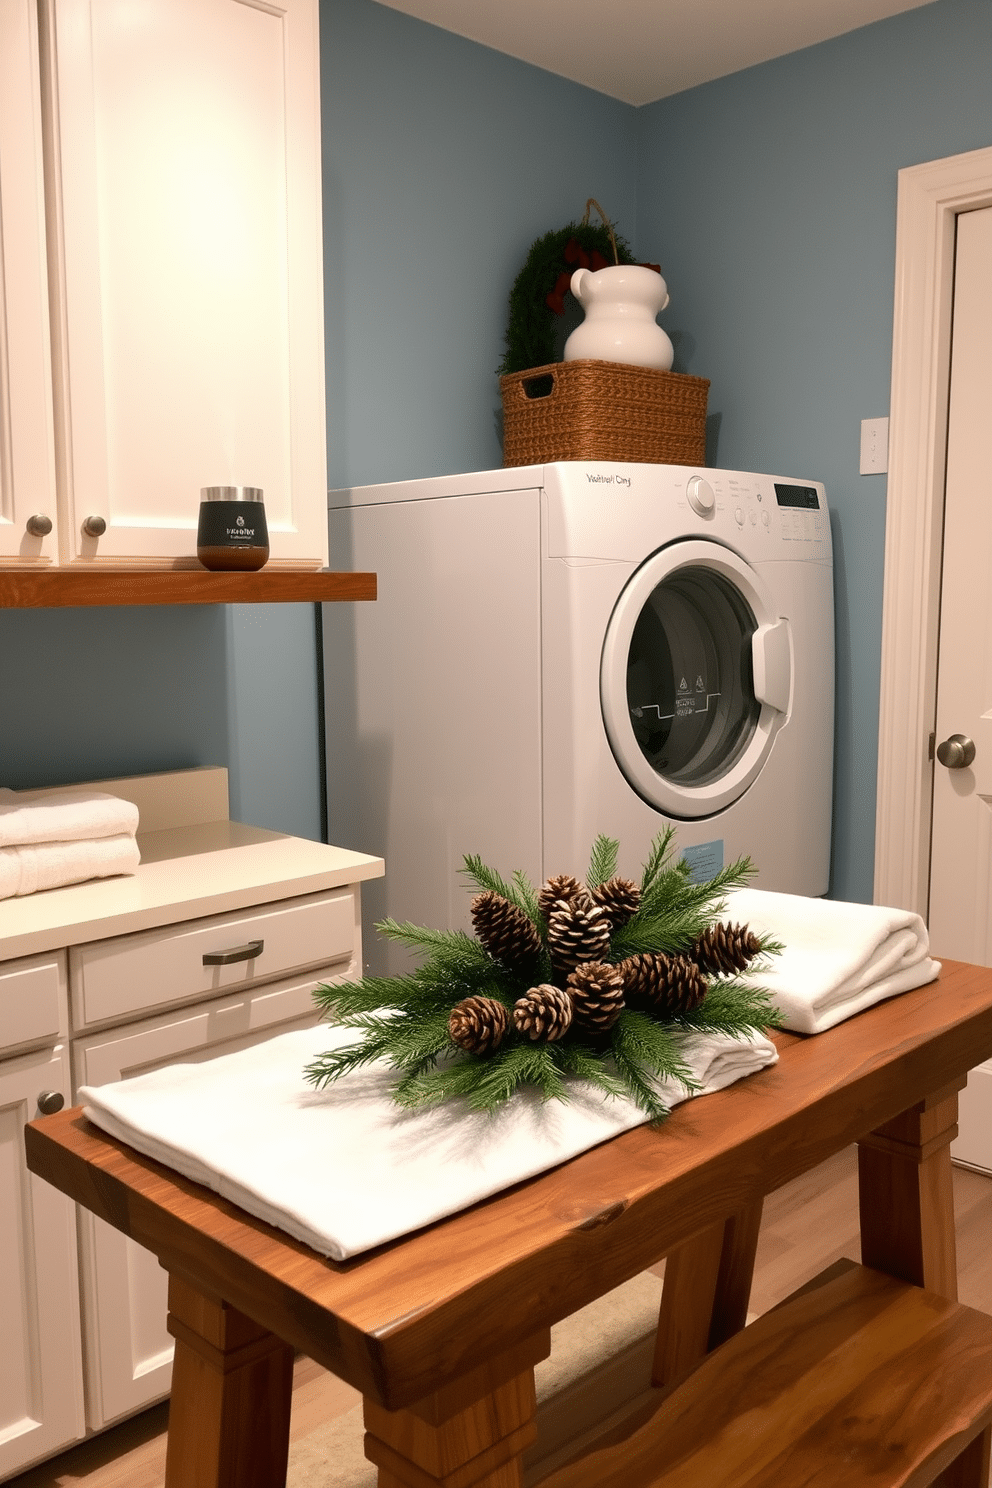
(930, 196)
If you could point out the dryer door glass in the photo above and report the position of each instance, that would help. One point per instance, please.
(695, 678)
(690, 686)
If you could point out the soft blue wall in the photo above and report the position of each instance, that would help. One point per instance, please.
(769, 198)
(90, 693)
(443, 161)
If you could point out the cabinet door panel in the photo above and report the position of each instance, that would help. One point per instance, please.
(41, 1389)
(191, 269)
(27, 455)
(128, 1357)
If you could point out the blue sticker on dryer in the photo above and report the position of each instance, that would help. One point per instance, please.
(705, 860)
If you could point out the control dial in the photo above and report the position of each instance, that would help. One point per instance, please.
(701, 497)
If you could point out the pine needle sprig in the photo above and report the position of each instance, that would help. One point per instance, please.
(645, 1053)
(454, 945)
(519, 891)
(582, 1063)
(334, 1063)
(527, 896)
(602, 861)
(485, 1083)
(674, 909)
(661, 851)
(735, 1006)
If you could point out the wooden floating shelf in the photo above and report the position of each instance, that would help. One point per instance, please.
(68, 587)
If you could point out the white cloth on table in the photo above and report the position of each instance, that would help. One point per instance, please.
(51, 865)
(63, 816)
(344, 1169)
(838, 958)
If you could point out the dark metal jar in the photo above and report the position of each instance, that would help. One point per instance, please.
(232, 533)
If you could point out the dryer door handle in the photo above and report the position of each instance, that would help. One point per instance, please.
(771, 657)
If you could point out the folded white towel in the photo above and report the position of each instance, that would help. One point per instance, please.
(63, 816)
(838, 959)
(51, 865)
(344, 1169)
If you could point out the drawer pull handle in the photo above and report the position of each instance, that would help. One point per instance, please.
(50, 1101)
(238, 953)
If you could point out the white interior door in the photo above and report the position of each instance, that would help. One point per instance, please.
(961, 849)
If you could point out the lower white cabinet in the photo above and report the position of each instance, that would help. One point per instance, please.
(41, 1385)
(217, 943)
(128, 1352)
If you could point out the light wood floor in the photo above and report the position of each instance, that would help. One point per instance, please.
(807, 1225)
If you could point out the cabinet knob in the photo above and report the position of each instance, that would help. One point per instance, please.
(38, 525)
(94, 526)
(50, 1101)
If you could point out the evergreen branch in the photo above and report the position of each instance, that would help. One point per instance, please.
(658, 856)
(640, 1090)
(485, 1083)
(519, 893)
(528, 896)
(585, 1064)
(735, 1006)
(602, 861)
(449, 943)
(335, 1063)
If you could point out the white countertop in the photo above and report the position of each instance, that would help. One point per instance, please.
(186, 872)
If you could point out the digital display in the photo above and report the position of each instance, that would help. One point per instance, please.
(803, 497)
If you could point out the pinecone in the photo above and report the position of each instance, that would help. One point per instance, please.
(504, 930)
(544, 1013)
(619, 899)
(576, 935)
(725, 948)
(597, 995)
(562, 889)
(664, 985)
(478, 1024)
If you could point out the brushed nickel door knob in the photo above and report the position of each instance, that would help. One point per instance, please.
(38, 525)
(957, 752)
(50, 1101)
(94, 526)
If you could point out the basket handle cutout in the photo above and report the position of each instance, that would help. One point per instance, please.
(539, 387)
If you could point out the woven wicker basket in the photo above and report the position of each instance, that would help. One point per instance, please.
(586, 410)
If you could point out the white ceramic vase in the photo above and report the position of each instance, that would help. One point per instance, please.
(620, 304)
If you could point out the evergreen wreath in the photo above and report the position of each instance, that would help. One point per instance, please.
(587, 982)
(539, 290)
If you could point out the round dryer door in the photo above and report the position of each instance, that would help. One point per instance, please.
(696, 678)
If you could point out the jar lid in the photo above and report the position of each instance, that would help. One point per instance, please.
(231, 493)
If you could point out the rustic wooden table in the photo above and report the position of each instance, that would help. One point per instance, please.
(440, 1331)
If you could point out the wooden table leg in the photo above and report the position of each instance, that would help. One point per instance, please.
(704, 1301)
(469, 1434)
(906, 1198)
(232, 1384)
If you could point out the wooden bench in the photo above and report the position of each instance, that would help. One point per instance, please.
(859, 1379)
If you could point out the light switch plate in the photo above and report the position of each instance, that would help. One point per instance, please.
(874, 446)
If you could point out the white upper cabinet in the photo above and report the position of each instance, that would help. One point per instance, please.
(182, 167)
(27, 464)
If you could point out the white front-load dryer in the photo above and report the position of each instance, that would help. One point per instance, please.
(563, 650)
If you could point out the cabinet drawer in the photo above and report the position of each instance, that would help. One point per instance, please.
(32, 1001)
(112, 979)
